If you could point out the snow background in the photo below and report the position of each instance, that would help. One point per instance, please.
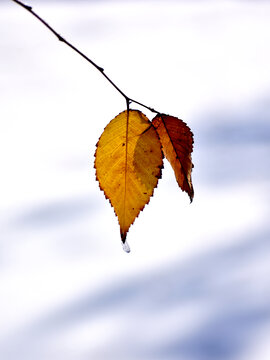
(196, 283)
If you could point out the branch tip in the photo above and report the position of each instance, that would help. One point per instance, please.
(99, 68)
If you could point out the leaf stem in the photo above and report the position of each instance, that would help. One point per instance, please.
(99, 68)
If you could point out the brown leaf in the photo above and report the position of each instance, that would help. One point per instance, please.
(177, 144)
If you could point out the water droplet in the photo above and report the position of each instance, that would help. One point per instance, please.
(126, 247)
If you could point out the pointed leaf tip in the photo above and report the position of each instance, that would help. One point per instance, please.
(123, 237)
(128, 162)
(177, 145)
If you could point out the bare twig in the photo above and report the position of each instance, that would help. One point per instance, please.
(99, 68)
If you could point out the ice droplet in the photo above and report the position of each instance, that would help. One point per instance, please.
(126, 247)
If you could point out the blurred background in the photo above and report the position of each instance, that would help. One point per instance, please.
(196, 283)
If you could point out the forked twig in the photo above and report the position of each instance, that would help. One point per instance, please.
(99, 68)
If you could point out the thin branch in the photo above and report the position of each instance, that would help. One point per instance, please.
(99, 68)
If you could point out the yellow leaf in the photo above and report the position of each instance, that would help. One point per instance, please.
(128, 165)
